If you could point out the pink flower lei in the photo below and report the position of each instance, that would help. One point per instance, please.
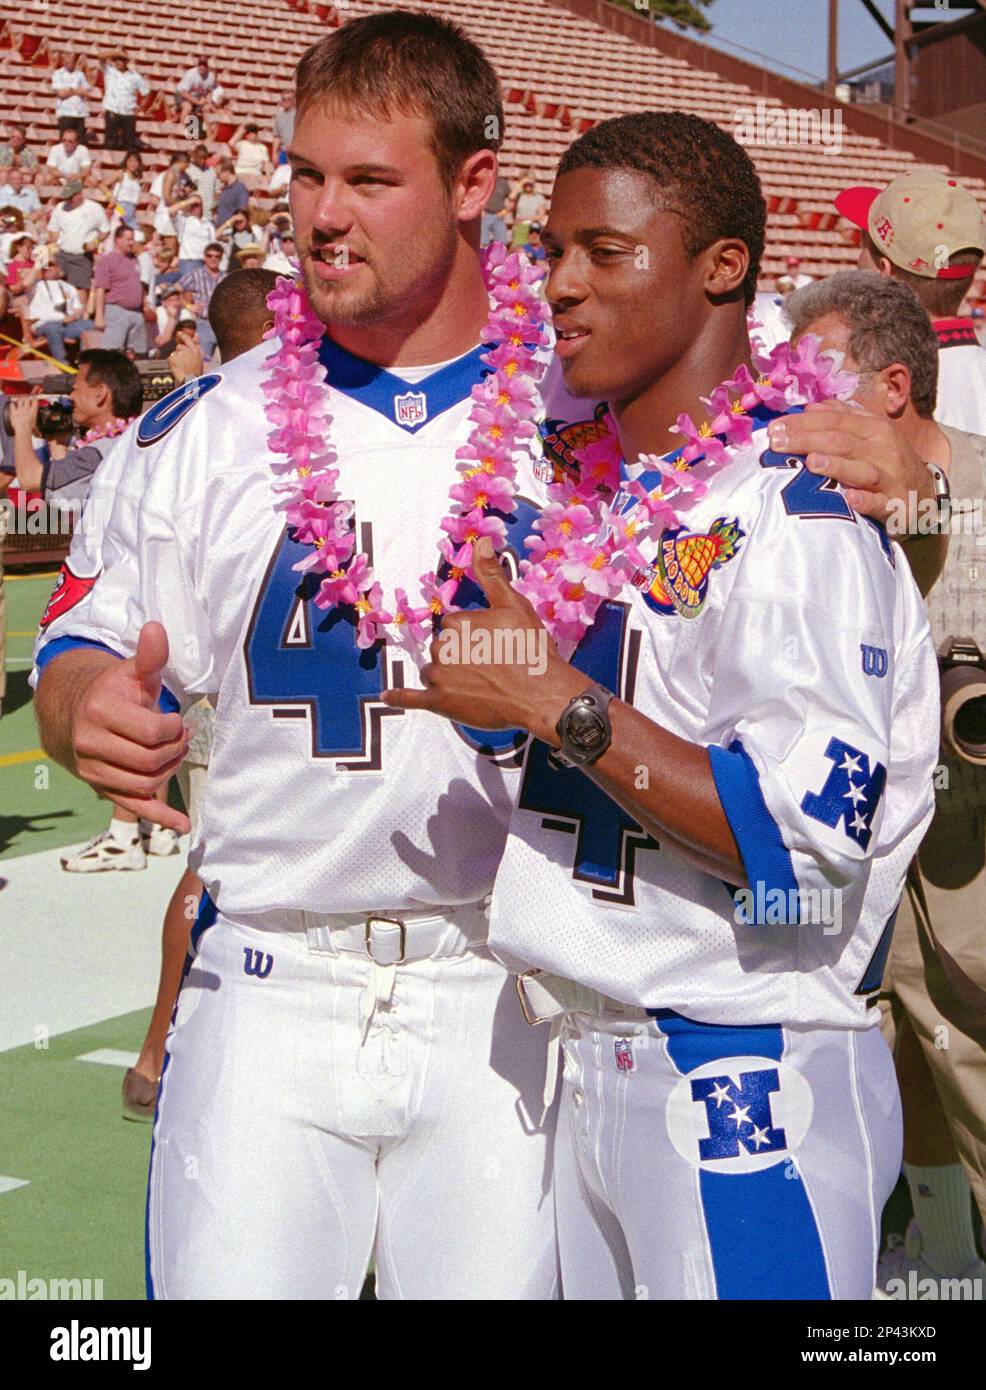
(502, 417)
(589, 536)
(587, 543)
(108, 431)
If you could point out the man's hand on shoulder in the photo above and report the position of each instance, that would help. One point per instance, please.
(877, 468)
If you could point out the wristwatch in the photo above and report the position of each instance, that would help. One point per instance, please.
(584, 729)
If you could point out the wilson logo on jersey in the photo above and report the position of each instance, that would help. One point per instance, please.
(851, 793)
(411, 408)
(738, 1114)
(874, 660)
(679, 580)
(69, 590)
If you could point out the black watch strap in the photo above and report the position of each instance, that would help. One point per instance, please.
(584, 728)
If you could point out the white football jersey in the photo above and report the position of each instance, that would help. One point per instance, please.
(784, 632)
(961, 376)
(319, 798)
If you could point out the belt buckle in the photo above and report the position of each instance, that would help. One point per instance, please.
(391, 922)
(530, 1015)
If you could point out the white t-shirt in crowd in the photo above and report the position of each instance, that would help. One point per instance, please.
(73, 228)
(70, 166)
(251, 157)
(70, 86)
(52, 301)
(194, 235)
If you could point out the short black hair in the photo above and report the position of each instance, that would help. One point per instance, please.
(704, 176)
(115, 370)
(238, 310)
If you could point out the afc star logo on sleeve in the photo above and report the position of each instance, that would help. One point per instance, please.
(69, 590)
(738, 1114)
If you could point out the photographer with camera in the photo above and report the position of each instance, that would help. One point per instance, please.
(934, 988)
(106, 395)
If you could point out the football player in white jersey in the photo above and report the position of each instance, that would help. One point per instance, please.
(701, 895)
(347, 1076)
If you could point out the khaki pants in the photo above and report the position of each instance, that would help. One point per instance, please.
(936, 977)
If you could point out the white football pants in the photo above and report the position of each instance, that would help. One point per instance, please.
(318, 1109)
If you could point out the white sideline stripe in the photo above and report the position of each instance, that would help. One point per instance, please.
(109, 1057)
(11, 1184)
(76, 949)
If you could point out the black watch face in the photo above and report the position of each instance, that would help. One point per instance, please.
(585, 731)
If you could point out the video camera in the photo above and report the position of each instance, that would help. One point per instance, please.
(54, 418)
(962, 669)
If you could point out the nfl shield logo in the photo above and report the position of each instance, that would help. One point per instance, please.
(411, 408)
(623, 1048)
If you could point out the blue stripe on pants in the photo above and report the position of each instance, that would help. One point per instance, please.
(761, 1230)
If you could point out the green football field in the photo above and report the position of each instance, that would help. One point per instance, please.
(72, 1170)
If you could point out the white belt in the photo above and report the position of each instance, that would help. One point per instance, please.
(546, 998)
(392, 938)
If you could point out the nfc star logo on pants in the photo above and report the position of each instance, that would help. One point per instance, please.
(739, 1114)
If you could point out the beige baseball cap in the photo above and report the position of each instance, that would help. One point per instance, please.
(918, 221)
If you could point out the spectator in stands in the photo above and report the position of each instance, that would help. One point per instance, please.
(925, 229)
(280, 258)
(120, 296)
(494, 224)
(201, 284)
(202, 178)
(105, 390)
(72, 86)
(250, 256)
(17, 191)
(195, 232)
(797, 277)
(936, 964)
(234, 235)
(196, 85)
(171, 185)
(23, 270)
(15, 154)
(532, 246)
(69, 158)
(122, 87)
(125, 191)
(524, 205)
(166, 270)
(168, 313)
(233, 197)
(283, 124)
(252, 155)
(77, 226)
(55, 311)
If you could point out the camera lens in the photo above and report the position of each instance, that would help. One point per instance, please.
(969, 728)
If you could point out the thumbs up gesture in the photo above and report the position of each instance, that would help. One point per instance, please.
(123, 745)
(495, 667)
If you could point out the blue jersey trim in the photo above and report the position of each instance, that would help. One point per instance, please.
(758, 836)
(167, 702)
(377, 388)
(763, 1239)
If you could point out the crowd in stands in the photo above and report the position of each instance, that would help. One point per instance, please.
(97, 250)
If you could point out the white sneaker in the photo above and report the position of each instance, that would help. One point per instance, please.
(903, 1260)
(158, 840)
(105, 852)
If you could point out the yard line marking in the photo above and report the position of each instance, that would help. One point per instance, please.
(11, 1184)
(32, 754)
(109, 1057)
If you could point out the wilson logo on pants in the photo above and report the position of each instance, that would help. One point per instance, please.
(256, 963)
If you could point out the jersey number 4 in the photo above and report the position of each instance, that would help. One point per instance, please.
(607, 838)
(303, 662)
